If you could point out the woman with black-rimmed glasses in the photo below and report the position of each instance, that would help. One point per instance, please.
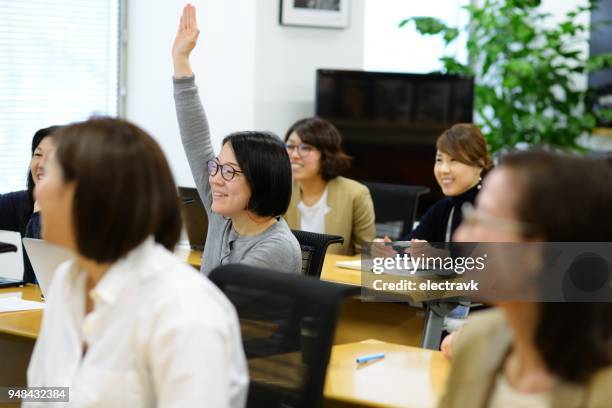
(245, 188)
(322, 200)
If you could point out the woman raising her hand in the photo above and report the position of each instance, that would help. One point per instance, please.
(245, 188)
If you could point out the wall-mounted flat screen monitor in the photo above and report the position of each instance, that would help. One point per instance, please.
(393, 108)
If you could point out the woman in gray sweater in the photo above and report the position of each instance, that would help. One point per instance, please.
(245, 188)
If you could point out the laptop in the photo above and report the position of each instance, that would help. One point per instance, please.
(45, 258)
(194, 217)
(11, 259)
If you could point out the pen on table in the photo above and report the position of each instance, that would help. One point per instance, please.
(370, 357)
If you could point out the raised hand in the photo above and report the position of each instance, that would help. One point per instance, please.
(185, 41)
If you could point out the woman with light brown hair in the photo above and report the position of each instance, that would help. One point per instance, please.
(461, 162)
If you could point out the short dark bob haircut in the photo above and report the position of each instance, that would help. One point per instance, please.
(264, 160)
(326, 138)
(568, 199)
(124, 190)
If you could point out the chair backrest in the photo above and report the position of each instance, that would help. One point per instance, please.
(395, 203)
(287, 323)
(314, 246)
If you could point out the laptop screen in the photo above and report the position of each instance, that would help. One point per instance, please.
(195, 219)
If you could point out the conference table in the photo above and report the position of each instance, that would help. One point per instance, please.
(408, 376)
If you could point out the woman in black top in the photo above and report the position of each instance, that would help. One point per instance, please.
(461, 161)
(18, 209)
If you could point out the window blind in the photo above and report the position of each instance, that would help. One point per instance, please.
(59, 63)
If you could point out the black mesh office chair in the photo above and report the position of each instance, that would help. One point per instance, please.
(287, 323)
(395, 202)
(314, 246)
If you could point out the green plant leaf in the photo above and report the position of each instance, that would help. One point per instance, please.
(452, 66)
(426, 25)
(450, 35)
(601, 61)
(524, 68)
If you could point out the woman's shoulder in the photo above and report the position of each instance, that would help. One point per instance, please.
(348, 185)
(441, 205)
(16, 197)
(282, 235)
(276, 248)
(481, 327)
(277, 236)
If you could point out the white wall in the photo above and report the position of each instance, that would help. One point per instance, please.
(392, 49)
(558, 10)
(287, 59)
(252, 72)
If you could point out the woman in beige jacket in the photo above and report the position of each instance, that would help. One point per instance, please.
(538, 354)
(322, 201)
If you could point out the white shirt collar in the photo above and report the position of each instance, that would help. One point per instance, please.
(120, 273)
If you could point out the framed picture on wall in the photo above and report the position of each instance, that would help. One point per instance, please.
(315, 13)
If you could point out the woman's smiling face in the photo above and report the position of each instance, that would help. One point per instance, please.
(229, 197)
(454, 177)
(40, 157)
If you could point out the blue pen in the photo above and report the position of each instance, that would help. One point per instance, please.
(365, 359)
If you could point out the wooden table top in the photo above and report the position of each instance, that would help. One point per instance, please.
(333, 273)
(330, 271)
(406, 377)
(25, 323)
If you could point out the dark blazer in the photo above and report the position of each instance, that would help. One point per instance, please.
(16, 215)
(432, 225)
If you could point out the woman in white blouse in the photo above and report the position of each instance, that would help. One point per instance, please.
(126, 323)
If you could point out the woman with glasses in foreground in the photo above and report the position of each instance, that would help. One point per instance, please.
(245, 189)
(126, 323)
(322, 201)
(523, 354)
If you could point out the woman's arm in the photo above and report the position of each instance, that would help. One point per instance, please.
(193, 125)
(431, 225)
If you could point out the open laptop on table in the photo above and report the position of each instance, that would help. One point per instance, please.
(194, 217)
(45, 258)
